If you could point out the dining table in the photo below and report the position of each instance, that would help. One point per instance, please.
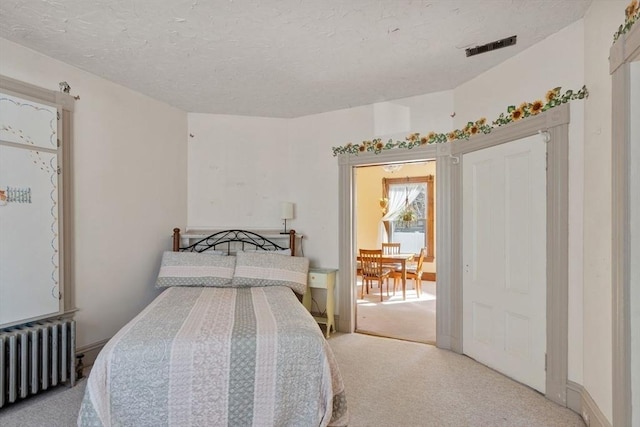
(400, 259)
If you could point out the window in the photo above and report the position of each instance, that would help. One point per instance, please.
(413, 194)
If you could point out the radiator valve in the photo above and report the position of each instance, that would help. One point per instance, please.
(79, 366)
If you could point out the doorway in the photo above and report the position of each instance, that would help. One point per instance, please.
(553, 127)
(382, 194)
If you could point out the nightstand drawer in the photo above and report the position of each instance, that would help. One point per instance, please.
(318, 280)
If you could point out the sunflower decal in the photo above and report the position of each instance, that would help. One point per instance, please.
(631, 15)
(553, 98)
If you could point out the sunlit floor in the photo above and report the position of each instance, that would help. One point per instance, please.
(413, 319)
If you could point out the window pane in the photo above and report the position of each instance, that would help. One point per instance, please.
(412, 235)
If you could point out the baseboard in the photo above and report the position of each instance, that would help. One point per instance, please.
(342, 325)
(443, 341)
(90, 352)
(580, 401)
(574, 397)
(591, 414)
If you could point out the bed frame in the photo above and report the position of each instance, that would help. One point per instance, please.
(232, 240)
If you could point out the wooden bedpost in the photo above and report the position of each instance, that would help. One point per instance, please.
(292, 242)
(176, 239)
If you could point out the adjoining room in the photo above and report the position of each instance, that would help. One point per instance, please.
(395, 212)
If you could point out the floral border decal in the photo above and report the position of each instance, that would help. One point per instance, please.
(631, 15)
(480, 126)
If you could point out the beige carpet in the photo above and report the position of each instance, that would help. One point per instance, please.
(398, 383)
(413, 319)
(388, 383)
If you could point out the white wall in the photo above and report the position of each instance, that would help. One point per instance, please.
(555, 61)
(238, 171)
(241, 167)
(422, 113)
(314, 175)
(130, 184)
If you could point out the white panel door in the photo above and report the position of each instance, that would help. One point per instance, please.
(504, 259)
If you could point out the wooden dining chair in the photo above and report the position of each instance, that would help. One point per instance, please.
(372, 270)
(396, 268)
(390, 248)
(414, 271)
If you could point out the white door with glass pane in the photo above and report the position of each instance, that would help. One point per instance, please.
(504, 259)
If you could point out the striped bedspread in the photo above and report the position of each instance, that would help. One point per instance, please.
(217, 357)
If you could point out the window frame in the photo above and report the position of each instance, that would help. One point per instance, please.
(428, 180)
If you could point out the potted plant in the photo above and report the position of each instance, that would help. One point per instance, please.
(408, 215)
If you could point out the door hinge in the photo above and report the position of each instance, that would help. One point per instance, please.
(545, 362)
(58, 115)
(58, 142)
(59, 170)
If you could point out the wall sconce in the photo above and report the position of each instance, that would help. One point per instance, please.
(384, 204)
(286, 212)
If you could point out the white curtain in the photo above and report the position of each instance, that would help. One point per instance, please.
(399, 196)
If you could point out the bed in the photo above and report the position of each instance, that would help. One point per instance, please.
(227, 343)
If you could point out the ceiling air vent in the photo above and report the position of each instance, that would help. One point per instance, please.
(509, 41)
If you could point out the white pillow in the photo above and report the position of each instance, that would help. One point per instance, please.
(270, 269)
(195, 269)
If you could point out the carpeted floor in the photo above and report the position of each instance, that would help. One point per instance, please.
(399, 383)
(57, 407)
(413, 319)
(388, 383)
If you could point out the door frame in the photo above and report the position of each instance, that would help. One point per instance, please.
(553, 123)
(624, 51)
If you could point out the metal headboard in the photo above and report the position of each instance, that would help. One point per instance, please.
(229, 240)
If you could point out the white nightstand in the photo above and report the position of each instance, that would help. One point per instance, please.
(324, 278)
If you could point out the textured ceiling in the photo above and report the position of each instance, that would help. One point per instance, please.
(284, 58)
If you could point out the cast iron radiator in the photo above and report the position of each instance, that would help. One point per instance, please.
(36, 356)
